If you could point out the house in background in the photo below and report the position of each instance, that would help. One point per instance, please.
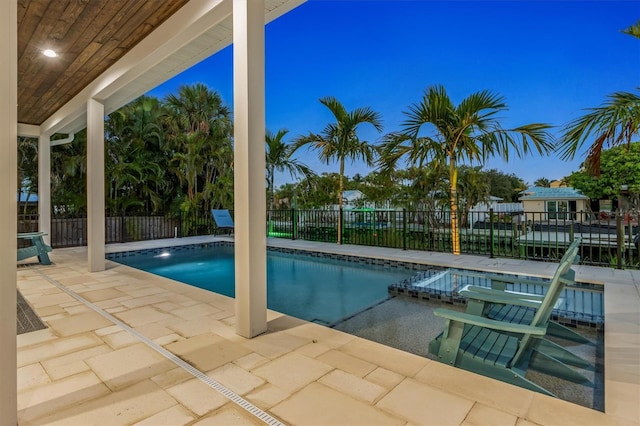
(480, 212)
(27, 203)
(558, 184)
(554, 203)
(353, 198)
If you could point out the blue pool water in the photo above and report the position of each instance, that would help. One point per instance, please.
(314, 289)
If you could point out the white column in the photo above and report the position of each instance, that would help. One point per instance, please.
(249, 167)
(95, 185)
(8, 209)
(44, 186)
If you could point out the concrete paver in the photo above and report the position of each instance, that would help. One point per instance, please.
(267, 396)
(385, 378)
(74, 324)
(57, 396)
(292, 371)
(481, 415)
(124, 367)
(392, 359)
(130, 405)
(73, 363)
(57, 347)
(197, 396)
(493, 393)
(32, 375)
(174, 416)
(235, 378)
(417, 402)
(353, 386)
(317, 404)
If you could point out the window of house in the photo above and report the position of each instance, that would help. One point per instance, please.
(558, 209)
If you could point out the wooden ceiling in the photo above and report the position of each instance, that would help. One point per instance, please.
(88, 35)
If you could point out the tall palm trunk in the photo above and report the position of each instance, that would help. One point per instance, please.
(453, 205)
(340, 191)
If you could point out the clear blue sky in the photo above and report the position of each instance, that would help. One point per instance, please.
(549, 59)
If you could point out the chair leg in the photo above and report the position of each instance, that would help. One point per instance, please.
(559, 330)
(43, 257)
(561, 354)
(450, 342)
(549, 365)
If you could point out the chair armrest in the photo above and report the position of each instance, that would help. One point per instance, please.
(507, 279)
(501, 297)
(471, 319)
(29, 235)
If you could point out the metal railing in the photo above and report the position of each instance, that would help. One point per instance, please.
(606, 241)
(543, 236)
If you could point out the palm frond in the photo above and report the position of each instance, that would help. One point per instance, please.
(633, 30)
(615, 122)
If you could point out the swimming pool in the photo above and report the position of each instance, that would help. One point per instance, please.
(321, 290)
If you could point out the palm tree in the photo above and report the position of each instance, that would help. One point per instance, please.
(473, 188)
(278, 158)
(439, 133)
(339, 141)
(27, 168)
(135, 161)
(69, 176)
(542, 182)
(200, 130)
(615, 122)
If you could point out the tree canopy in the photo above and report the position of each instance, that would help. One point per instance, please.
(619, 175)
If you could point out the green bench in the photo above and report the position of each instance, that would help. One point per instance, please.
(37, 248)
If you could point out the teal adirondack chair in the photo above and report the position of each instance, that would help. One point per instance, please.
(496, 302)
(37, 248)
(520, 308)
(506, 350)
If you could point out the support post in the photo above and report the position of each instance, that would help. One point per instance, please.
(619, 240)
(293, 223)
(491, 249)
(8, 209)
(340, 224)
(404, 229)
(44, 187)
(95, 186)
(249, 168)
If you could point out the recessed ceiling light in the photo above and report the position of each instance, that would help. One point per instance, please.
(49, 53)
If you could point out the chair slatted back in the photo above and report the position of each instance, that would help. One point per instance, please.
(222, 218)
(563, 275)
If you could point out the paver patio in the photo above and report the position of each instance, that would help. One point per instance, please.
(87, 369)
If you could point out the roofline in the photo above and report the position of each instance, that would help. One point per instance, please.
(527, 198)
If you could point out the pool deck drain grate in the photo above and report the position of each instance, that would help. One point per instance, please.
(229, 394)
